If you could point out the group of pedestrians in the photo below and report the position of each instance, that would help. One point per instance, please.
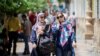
(48, 32)
(54, 33)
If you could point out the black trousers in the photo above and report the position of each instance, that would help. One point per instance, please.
(34, 52)
(40, 53)
(13, 36)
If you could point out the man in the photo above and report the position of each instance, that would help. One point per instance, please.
(13, 27)
(32, 17)
(26, 33)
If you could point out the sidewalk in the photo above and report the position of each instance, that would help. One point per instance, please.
(84, 47)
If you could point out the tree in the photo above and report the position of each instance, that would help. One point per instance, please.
(60, 1)
(21, 6)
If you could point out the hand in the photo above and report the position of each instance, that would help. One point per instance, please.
(34, 45)
(74, 44)
(41, 32)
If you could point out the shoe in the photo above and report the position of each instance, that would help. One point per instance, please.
(14, 54)
(26, 53)
(8, 53)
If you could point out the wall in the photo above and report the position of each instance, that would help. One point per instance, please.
(79, 7)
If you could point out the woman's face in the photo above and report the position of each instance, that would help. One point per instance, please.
(41, 19)
(60, 17)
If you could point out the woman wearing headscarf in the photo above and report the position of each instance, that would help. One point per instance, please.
(41, 32)
(63, 39)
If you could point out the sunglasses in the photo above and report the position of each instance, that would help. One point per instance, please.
(41, 17)
(60, 16)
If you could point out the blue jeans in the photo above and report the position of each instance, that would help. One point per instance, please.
(67, 50)
(73, 52)
(26, 44)
(25, 38)
(64, 52)
(61, 52)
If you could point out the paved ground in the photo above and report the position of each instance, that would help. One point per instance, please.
(20, 48)
(85, 47)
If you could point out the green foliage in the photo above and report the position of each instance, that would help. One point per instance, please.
(21, 6)
(60, 1)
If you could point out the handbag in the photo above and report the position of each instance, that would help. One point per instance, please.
(45, 43)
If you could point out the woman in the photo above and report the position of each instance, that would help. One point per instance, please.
(63, 36)
(41, 31)
(34, 43)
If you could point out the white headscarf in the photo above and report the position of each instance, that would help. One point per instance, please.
(34, 27)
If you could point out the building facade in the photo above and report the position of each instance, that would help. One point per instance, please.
(88, 13)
